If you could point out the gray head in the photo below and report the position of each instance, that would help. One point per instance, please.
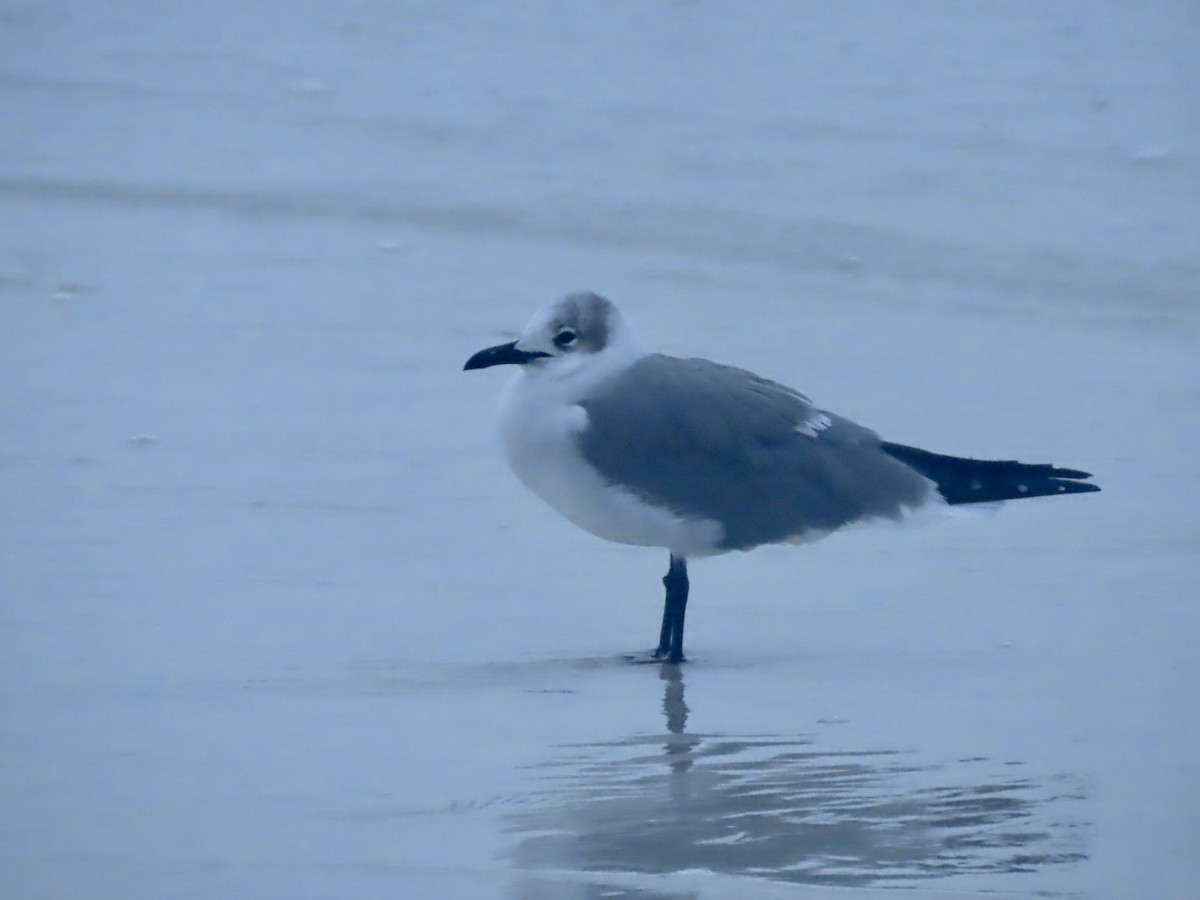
(565, 335)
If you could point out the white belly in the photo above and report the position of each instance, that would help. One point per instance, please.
(539, 429)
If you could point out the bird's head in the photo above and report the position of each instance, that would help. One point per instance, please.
(582, 329)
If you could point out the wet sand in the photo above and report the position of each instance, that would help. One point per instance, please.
(277, 621)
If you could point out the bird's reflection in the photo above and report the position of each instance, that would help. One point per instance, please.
(679, 744)
(782, 808)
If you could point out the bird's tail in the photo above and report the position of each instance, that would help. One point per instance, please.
(961, 480)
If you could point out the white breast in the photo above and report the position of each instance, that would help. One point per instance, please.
(539, 427)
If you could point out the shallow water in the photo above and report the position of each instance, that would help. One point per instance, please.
(782, 808)
(275, 620)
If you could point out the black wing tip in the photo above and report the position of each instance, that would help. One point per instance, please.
(967, 480)
(1078, 487)
(1070, 481)
(1069, 473)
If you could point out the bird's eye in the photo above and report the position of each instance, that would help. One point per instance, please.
(564, 338)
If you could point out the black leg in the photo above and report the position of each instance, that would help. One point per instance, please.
(670, 639)
(664, 636)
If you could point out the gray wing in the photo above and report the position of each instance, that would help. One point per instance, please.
(708, 440)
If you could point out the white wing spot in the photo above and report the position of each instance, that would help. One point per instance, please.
(975, 485)
(576, 418)
(813, 426)
(1024, 489)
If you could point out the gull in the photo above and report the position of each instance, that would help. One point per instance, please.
(701, 458)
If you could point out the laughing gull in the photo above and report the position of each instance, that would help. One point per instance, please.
(702, 458)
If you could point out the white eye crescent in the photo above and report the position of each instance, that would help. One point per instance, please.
(564, 338)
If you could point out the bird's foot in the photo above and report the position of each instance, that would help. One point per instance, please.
(652, 657)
